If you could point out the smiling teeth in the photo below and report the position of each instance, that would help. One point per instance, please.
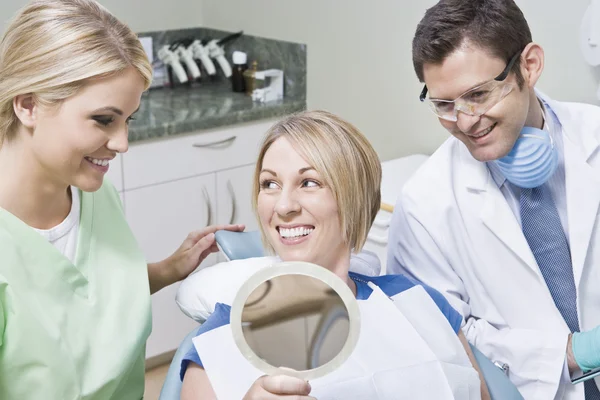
(102, 163)
(488, 130)
(294, 232)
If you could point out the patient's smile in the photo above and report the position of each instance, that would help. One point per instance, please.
(296, 234)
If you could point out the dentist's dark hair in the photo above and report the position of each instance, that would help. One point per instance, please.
(495, 26)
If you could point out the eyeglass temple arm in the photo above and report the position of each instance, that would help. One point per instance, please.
(509, 66)
(423, 93)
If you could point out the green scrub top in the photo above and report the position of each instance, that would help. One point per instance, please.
(74, 331)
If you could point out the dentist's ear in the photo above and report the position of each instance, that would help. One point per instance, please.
(532, 63)
(25, 109)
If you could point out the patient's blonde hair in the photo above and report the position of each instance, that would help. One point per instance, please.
(345, 160)
(52, 46)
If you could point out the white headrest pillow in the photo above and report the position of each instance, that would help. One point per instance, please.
(219, 283)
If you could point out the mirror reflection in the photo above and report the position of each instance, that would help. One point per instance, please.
(295, 321)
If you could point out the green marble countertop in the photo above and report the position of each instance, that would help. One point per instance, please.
(169, 112)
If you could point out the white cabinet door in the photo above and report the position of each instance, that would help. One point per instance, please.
(161, 216)
(156, 161)
(234, 198)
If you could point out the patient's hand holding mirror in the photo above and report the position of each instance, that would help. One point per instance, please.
(295, 318)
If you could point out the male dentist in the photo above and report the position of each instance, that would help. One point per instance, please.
(504, 217)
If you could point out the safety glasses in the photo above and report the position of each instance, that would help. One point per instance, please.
(476, 101)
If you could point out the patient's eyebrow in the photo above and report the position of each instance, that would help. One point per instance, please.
(269, 171)
(300, 171)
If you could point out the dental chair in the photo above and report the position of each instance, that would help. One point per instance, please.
(234, 246)
(239, 245)
(171, 389)
(242, 245)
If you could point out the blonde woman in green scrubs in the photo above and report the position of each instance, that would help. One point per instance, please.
(74, 286)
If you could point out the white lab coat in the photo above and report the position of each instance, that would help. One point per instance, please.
(453, 230)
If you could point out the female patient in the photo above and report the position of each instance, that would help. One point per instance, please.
(316, 194)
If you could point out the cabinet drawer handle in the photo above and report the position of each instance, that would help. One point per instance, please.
(215, 144)
(232, 195)
(208, 207)
(378, 239)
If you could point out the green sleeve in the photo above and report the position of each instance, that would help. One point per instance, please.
(3, 304)
(2, 323)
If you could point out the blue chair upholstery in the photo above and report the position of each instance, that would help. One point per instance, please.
(171, 389)
(241, 245)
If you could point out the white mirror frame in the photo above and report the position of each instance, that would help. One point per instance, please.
(296, 268)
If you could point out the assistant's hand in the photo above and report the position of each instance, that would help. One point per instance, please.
(194, 249)
(279, 387)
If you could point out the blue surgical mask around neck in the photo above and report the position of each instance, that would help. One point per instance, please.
(532, 160)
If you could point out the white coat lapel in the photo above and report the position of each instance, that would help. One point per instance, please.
(499, 218)
(495, 212)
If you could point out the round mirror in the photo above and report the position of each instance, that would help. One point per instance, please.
(295, 318)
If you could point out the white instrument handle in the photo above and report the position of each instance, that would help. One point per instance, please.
(208, 64)
(179, 71)
(192, 67)
(224, 64)
(172, 59)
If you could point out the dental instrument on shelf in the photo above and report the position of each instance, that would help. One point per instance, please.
(201, 53)
(274, 91)
(172, 60)
(217, 51)
(186, 55)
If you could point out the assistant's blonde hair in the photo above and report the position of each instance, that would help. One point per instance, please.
(52, 46)
(345, 160)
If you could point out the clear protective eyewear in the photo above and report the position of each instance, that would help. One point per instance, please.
(476, 101)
